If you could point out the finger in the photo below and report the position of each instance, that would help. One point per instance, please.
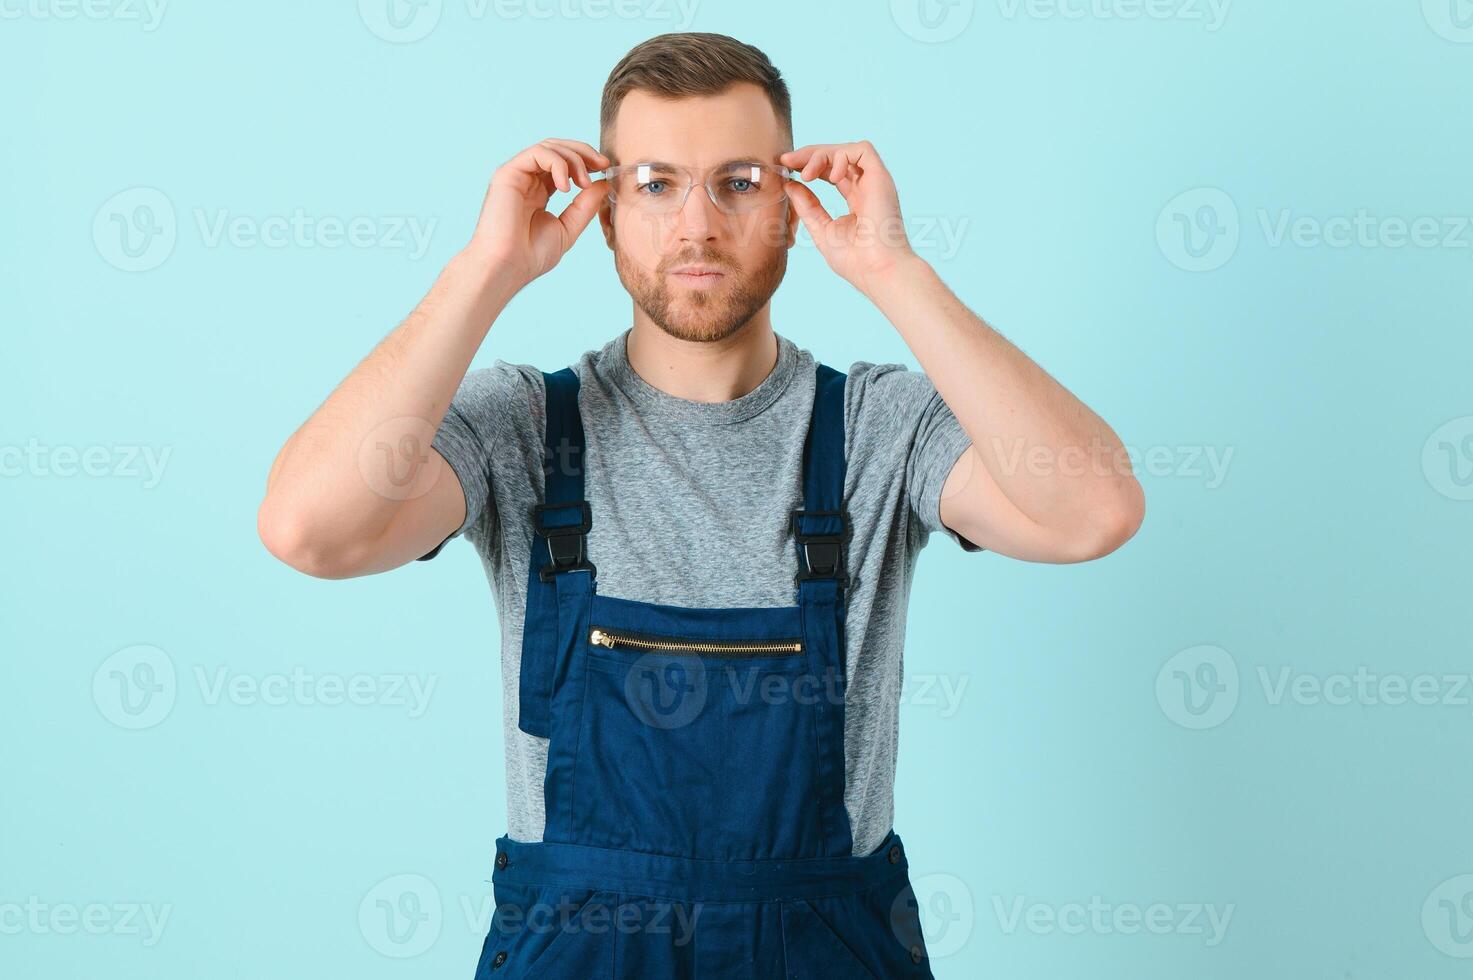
(810, 210)
(855, 160)
(817, 161)
(580, 211)
(590, 156)
(798, 159)
(535, 165)
(544, 164)
(845, 164)
(577, 168)
(551, 162)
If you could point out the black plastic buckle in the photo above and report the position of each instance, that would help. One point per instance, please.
(566, 543)
(822, 553)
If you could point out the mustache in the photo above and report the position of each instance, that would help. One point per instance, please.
(709, 257)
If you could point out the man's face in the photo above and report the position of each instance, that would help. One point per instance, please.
(747, 252)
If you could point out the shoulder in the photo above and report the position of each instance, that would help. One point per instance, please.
(500, 394)
(886, 391)
(501, 378)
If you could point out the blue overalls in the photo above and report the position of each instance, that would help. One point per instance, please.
(695, 772)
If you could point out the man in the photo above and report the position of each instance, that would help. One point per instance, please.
(700, 541)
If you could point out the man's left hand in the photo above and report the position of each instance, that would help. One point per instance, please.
(867, 244)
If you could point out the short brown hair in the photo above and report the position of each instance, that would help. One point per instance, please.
(691, 63)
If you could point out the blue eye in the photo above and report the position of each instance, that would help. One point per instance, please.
(654, 187)
(741, 185)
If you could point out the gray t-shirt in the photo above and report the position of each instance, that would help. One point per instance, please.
(665, 473)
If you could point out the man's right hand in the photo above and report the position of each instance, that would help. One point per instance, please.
(516, 233)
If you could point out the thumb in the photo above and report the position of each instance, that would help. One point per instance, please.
(810, 211)
(580, 210)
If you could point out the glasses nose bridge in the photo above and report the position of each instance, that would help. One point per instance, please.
(696, 180)
(705, 181)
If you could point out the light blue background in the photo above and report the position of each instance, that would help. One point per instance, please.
(1059, 149)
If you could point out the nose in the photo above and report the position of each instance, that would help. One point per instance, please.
(698, 217)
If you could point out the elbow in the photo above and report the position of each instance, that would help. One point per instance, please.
(1111, 523)
(295, 541)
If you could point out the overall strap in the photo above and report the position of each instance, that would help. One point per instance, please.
(819, 526)
(559, 545)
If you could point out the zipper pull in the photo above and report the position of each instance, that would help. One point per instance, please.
(600, 638)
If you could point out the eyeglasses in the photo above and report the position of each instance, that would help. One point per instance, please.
(662, 188)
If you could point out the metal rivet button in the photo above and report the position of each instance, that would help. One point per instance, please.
(501, 861)
(917, 954)
(894, 854)
(499, 959)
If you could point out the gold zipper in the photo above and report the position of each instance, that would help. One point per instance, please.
(603, 638)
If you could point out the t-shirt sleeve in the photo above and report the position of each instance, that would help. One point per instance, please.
(900, 410)
(478, 417)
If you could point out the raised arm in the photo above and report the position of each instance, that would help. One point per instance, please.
(1045, 479)
(358, 488)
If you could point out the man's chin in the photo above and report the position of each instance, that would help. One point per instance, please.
(705, 325)
(706, 313)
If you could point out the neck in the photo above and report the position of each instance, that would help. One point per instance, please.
(703, 371)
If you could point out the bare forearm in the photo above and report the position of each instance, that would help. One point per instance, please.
(341, 477)
(1056, 461)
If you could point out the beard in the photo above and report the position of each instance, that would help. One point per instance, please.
(703, 315)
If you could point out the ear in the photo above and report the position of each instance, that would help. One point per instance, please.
(606, 221)
(790, 213)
